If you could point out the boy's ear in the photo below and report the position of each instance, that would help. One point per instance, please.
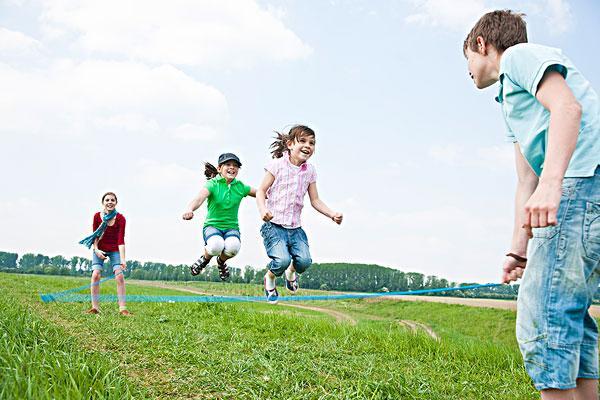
(481, 46)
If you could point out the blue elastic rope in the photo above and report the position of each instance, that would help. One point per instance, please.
(48, 297)
(66, 296)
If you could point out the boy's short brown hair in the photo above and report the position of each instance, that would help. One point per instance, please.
(500, 28)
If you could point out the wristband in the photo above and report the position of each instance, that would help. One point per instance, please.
(517, 257)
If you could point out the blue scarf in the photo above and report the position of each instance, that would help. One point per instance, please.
(89, 241)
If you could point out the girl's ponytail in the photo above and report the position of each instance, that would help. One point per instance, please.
(210, 171)
(279, 145)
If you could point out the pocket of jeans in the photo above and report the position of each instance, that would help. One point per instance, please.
(303, 236)
(591, 231)
(270, 237)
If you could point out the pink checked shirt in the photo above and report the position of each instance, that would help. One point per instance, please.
(285, 197)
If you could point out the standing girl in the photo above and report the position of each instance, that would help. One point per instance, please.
(287, 179)
(108, 241)
(221, 228)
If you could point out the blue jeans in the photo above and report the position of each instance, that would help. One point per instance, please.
(113, 256)
(557, 336)
(284, 245)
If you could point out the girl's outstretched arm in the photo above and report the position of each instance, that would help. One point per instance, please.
(261, 195)
(195, 203)
(321, 207)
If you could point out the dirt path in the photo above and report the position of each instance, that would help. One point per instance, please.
(488, 303)
(416, 326)
(337, 315)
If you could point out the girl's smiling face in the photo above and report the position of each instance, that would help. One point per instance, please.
(109, 202)
(301, 149)
(229, 170)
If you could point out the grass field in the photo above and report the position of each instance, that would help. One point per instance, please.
(250, 350)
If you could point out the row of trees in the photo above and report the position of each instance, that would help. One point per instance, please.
(333, 276)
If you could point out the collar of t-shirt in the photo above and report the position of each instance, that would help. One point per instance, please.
(301, 167)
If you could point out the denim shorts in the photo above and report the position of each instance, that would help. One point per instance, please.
(113, 256)
(209, 231)
(284, 246)
(557, 336)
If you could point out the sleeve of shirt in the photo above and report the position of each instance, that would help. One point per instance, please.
(510, 136)
(96, 221)
(209, 185)
(273, 167)
(122, 222)
(526, 65)
(313, 174)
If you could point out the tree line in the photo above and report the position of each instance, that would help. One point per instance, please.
(326, 276)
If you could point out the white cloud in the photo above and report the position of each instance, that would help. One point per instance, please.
(185, 32)
(13, 41)
(96, 96)
(457, 15)
(15, 44)
(558, 15)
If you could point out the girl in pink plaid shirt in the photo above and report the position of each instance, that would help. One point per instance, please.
(280, 199)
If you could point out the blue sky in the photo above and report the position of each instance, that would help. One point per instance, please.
(132, 96)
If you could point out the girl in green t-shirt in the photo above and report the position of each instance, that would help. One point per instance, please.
(221, 230)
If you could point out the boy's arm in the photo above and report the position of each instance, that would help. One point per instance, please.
(261, 195)
(565, 118)
(195, 203)
(252, 192)
(318, 204)
(527, 181)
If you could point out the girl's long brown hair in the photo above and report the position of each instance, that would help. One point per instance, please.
(279, 146)
(210, 171)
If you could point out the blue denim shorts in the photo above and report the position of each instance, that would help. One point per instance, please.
(209, 231)
(284, 246)
(557, 336)
(113, 256)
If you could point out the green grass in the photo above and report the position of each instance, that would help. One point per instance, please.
(256, 351)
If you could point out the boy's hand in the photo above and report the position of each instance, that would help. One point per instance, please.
(512, 269)
(337, 217)
(266, 215)
(188, 215)
(123, 266)
(542, 206)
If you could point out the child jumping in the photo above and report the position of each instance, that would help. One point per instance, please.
(221, 228)
(553, 118)
(108, 240)
(287, 179)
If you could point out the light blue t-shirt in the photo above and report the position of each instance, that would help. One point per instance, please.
(521, 69)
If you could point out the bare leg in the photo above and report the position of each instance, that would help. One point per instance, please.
(556, 394)
(120, 289)
(587, 389)
(95, 288)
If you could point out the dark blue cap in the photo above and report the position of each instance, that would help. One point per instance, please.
(223, 158)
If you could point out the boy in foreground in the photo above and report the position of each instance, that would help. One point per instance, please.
(552, 116)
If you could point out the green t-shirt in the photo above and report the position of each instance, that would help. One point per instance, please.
(224, 201)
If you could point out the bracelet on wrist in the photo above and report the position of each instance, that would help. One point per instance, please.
(517, 257)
